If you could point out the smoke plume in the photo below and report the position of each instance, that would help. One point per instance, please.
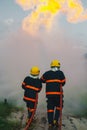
(20, 52)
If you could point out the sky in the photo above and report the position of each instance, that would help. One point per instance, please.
(37, 32)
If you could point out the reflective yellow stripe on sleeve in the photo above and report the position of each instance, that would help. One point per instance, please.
(32, 87)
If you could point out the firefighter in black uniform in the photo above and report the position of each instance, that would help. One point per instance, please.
(53, 78)
(31, 85)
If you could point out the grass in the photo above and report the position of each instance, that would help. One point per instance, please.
(5, 110)
(9, 125)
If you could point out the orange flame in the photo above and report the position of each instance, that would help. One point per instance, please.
(44, 12)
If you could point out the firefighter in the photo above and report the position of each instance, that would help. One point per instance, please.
(31, 85)
(53, 78)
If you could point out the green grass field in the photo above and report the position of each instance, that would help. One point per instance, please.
(5, 110)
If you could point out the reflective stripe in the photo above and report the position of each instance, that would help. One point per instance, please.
(50, 110)
(29, 99)
(58, 108)
(32, 87)
(31, 110)
(55, 80)
(50, 93)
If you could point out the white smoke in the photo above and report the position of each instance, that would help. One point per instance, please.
(20, 52)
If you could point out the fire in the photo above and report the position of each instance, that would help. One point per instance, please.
(75, 9)
(43, 12)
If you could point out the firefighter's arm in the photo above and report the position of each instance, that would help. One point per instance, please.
(42, 79)
(39, 87)
(23, 85)
(64, 81)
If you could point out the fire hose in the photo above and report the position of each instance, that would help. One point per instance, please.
(60, 120)
(30, 120)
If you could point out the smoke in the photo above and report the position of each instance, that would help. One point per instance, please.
(19, 53)
(42, 13)
(85, 56)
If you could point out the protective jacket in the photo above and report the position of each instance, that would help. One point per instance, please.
(53, 79)
(31, 86)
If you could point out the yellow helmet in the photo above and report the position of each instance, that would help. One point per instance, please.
(55, 63)
(34, 70)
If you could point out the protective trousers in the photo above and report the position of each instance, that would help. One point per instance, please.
(53, 109)
(30, 107)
